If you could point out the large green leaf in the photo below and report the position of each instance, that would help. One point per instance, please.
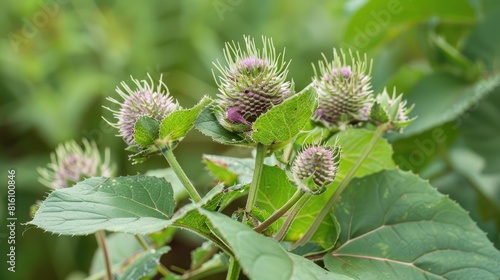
(481, 45)
(394, 225)
(440, 98)
(353, 142)
(133, 204)
(481, 130)
(169, 175)
(283, 122)
(370, 23)
(144, 264)
(262, 257)
(470, 166)
(416, 152)
(177, 124)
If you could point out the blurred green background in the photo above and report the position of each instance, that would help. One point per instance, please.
(59, 60)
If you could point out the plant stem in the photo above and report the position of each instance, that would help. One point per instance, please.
(141, 241)
(280, 212)
(169, 156)
(101, 241)
(257, 174)
(234, 269)
(291, 216)
(347, 179)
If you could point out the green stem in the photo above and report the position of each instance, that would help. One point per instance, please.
(291, 216)
(101, 240)
(234, 269)
(280, 212)
(333, 199)
(169, 156)
(257, 173)
(143, 242)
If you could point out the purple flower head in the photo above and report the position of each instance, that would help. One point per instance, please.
(71, 163)
(144, 100)
(318, 164)
(252, 82)
(344, 89)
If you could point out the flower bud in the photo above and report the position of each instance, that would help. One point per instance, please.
(315, 168)
(71, 164)
(252, 83)
(344, 89)
(143, 100)
(391, 109)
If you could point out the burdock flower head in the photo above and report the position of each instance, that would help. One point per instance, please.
(252, 83)
(71, 164)
(143, 100)
(391, 109)
(343, 88)
(315, 167)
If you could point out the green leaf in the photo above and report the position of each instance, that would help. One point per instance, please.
(481, 45)
(169, 175)
(454, 98)
(177, 124)
(132, 204)
(416, 152)
(481, 130)
(283, 122)
(146, 131)
(470, 166)
(230, 170)
(376, 18)
(144, 264)
(394, 223)
(274, 190)
(190, 218)
(261, 257)
(206, 261)
(208, 124)
(352, 141)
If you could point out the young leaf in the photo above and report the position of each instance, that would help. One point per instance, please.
(283, 122)
(207, 123)
(133, 204)
(146, 131)
(230, 170)
(261, 257)
(394, 223)
(176, 125)
(144, 264)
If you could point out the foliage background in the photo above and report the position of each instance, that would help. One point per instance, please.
(60, 59)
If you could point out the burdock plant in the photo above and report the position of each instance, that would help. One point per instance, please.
(322, 185)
